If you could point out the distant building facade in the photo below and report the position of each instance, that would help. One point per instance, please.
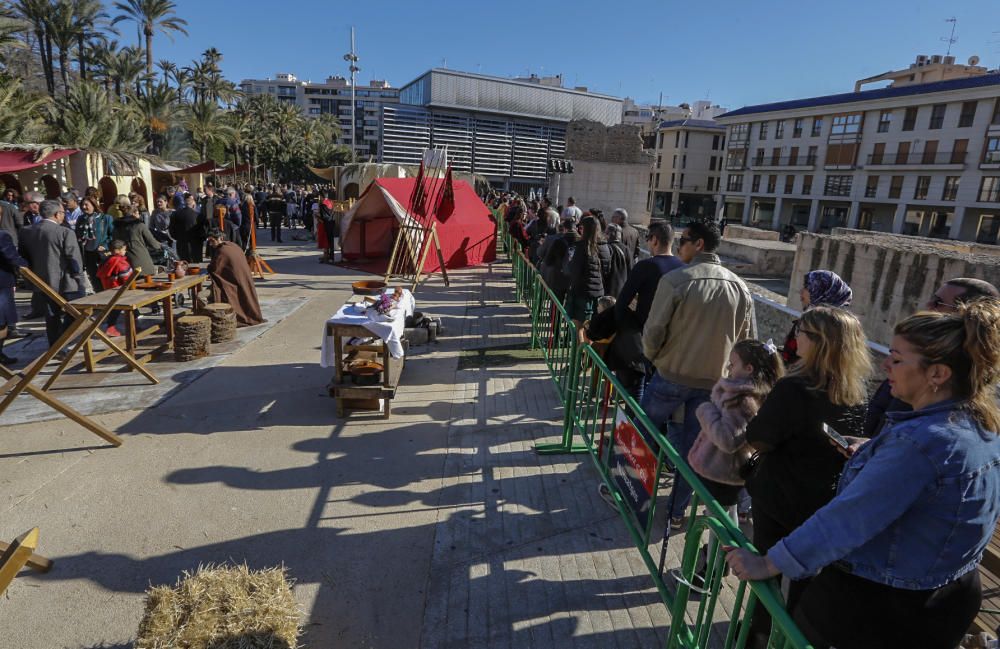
(919, 157)
(687, 172)
(333, 97)
(649, 117)
(504, 129)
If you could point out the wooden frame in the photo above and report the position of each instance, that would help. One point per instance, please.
(15, 556)
(398, 263)
(392, 368)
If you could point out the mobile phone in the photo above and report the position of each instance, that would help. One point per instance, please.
(839, 439)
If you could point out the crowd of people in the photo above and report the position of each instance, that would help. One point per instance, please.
(82, 244)
(874, 508)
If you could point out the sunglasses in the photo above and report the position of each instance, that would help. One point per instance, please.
(938, 302)
(681, 241)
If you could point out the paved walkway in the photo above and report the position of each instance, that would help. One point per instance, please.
(439, 528)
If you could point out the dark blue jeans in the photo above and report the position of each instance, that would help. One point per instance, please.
(56, 320)
(660, 400)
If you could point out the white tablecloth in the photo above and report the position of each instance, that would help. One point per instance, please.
(389, 328)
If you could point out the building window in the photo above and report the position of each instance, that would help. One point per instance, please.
(755, 184)
(793, 156)
(708, 184)
(772, 183)
(989, 189)
(673, 179)
(684, 161)
(789, 184)
(958, 150)
(740, 133)
(950, 192)
(884, 120)
(871, 187)
(811, 155)
(734, 183)
(995, 120)
(837, 186)
(877, 153)
(682, 182)
(846, 124)
(763, 130)
(896, 187)
(687, 138)
(759, 157)
(715, 143)
(736, 159)
(657, 181)
(817, 127)
(992, 155)
(673, 164)
(776, 155)
(929, 156)
(903, 153)
(659, 141)
(937, 115)
(797, 127)
(910, 118)
(968, 114)
(659, 161)
(779, 129)
(920, 191)
(807, 185)
(711, 163)
(677, 140)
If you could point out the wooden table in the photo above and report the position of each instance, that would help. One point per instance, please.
(130, 303)
(392, 368)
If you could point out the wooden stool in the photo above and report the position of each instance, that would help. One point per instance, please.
(223, 321)
(192, 337)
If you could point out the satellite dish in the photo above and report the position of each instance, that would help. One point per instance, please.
(973, 60)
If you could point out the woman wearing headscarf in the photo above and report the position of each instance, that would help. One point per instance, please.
(820, 288)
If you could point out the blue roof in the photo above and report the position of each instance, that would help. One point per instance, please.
(985, 80)
(694, 123)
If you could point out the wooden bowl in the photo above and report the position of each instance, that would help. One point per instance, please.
(194, 270)
(368, 287)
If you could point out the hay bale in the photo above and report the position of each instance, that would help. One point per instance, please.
(223, 321)
(192, 335)
(222, 607)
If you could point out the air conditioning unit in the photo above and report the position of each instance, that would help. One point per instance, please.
(949, 60)
(936, 58)
(922, 59)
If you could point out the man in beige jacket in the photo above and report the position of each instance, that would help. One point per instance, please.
(699, 312)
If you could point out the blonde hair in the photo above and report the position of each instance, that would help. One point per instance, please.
(968, 342)
(838, 361)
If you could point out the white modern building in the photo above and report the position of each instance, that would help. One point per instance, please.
(333, 97)
(504, 129)
(920, 156)
(687, 174)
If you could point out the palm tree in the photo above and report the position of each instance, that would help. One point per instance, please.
(156, 110)
(151, 15)
(204, 122)
(89, 119)
(92, 22)
(167, 68)
(36, 13)
(11, 28)
(64, 32)
(19, 114)
(123, 68)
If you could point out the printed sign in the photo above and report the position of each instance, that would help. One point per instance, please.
(633, 468)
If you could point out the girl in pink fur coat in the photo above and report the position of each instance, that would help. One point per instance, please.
(721, 450)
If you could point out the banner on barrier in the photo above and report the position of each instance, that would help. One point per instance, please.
(633, 468)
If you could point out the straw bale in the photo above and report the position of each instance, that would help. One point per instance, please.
(222, 607)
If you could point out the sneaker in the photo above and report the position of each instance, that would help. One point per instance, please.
(113, 332)
(607, 496)
(676, 522)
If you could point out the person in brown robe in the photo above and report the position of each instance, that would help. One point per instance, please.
(232, 281)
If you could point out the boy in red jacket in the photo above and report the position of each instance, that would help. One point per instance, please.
(114, 272)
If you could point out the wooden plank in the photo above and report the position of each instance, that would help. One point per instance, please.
(36, 562)
(988, 622)
(16, 557)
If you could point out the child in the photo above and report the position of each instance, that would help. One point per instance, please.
(114, 272)
(721, 449)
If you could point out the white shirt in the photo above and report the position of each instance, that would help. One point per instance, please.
(572, 212)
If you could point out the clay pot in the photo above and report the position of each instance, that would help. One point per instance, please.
(180, 269)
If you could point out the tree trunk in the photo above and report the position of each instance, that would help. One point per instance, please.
(82, 58)
(46, 63)
(64, 71)
(149, 56)
(52, 64)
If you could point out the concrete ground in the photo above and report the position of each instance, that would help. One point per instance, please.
(437, 528)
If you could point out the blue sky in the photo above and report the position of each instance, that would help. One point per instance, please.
(733, 52)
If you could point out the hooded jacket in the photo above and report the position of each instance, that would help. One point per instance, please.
(140, 242)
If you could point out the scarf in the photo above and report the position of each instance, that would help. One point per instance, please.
(827, 289)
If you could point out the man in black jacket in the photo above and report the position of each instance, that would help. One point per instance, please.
(630, 236)
(188, 231)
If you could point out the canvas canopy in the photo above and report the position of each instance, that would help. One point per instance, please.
(368, 230)
(18, 160)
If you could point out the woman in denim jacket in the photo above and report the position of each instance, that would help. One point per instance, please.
(897, 549)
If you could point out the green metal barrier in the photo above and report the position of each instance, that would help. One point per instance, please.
(630, 454)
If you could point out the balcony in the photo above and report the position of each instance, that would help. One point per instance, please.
(991, 160)
(946, 160)
(784, 162)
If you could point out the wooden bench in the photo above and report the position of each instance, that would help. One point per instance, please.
(989, 574)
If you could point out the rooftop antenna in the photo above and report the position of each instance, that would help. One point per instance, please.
(950, 40)
(352, 58)
(444, 63)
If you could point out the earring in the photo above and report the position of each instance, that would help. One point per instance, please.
(934, 387)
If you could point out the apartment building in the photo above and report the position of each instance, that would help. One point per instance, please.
(918, 157)
(687, 174)
(504, 129)
(333, 97)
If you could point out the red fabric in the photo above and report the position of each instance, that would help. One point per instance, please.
(114, 272)
(468, 235)
(321, 241)
(199, 168)
(447, 203)
(11, 161)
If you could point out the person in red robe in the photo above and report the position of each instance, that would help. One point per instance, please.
(232, 281)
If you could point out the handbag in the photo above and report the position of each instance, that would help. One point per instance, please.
(748, 469)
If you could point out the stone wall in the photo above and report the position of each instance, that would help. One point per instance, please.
(891, 276)
(595, 142)
(757, 256)
(606, 186)
(746, 232)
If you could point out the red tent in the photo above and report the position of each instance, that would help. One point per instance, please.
(368, 229)
(19, 160)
